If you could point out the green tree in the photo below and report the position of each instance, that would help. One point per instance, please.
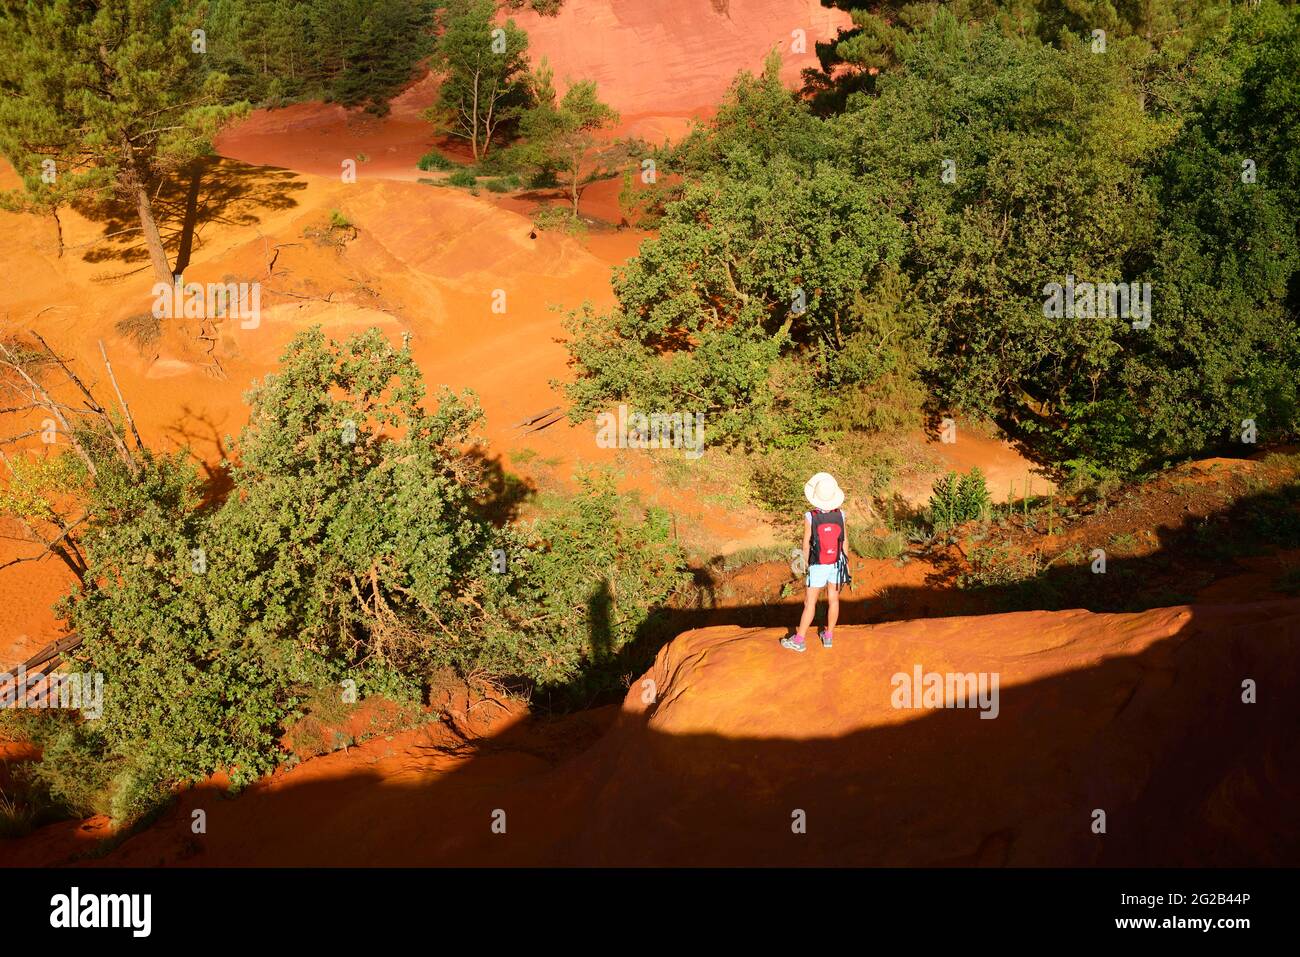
(353, 544)
(113, 93)
(1224, 343)
(381, 54)
(560, 135)
(334, 25)
(485, 85)
(745, 305)
(265, 47)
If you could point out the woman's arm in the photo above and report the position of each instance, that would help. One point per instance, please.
(807, 539)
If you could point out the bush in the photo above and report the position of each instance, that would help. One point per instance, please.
(25, 801)
(999, 567)
(17, 816)
(776, 481)
(433, 160)
(545, 8)
(353, 545)
(144, 329)
(72, 773)
(236, 612)
(585, 581)
(558, 219)
(462, 177)
(754, 555)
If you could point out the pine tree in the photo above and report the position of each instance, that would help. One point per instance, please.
(382, 52)
(264, 46)
(334, 23)
(117, 94)
(486, 84)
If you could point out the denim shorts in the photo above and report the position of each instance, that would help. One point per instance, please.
(822, 575)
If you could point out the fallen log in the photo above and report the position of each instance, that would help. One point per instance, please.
(534, 418)
(546, 423)
(52, 650)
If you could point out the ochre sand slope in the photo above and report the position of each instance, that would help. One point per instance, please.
(663, 57)
(728, 736)
(660, 63)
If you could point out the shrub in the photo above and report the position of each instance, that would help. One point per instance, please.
(559, 219)
(143, 329)
(754, 555)
(17, 816)
(72, 773)
(204, 658)
(776, 481)
(462, 177)
(585, 582)
(869, 543)
(545, 8)
(433, 160)
(353, 545)
(998, 566)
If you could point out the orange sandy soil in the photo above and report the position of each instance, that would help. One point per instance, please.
(728, 735)
(669, 58)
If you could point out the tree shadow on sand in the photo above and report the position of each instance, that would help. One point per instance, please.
(211, 191)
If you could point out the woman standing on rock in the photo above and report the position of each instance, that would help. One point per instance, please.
(824, 536)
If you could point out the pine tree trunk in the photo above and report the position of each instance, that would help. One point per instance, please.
(144, 209)
(152, 238)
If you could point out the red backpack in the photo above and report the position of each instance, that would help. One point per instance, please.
(827, 543)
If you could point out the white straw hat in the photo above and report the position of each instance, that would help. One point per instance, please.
(823, 492)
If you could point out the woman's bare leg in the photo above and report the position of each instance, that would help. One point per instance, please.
(809, 609)
(833, 606)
